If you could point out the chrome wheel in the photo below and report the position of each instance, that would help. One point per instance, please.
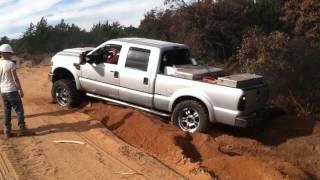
(62, 96)
(64, 92)
(190, 116)
(189, 119)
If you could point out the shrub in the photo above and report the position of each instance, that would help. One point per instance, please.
(290, 67)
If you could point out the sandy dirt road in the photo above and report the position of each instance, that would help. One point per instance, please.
(103, 156)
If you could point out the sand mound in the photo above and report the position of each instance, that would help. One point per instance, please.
(216, 154)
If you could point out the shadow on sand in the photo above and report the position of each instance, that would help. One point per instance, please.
(275, 130)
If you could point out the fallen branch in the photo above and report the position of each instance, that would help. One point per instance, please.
(70, 142)
(127, 173)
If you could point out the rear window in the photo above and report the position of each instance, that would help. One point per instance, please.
(175, 57)
(138, 59)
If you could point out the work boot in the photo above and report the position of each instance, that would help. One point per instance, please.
(23, 131)
(7, 133)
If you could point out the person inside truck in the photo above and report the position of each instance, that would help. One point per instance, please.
(113, 57)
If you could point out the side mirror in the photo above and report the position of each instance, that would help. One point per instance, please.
(82, 59)
(90, 59)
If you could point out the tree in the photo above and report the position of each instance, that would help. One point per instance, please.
(4, 40)
(265, 14)
(157, 25)
(287, 64)
(303, 17)
(212, 29)
(30, 30)
(62, 26)
(102, 32)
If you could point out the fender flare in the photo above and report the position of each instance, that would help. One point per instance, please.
(72, 73)
(196, 94)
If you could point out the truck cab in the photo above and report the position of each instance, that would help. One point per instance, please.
(133, 78)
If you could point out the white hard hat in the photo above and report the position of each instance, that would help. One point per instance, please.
(6, 48)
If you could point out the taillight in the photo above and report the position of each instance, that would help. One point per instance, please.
(242, 103)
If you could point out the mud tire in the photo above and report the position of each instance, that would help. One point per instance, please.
(190, 116)
(65, 93)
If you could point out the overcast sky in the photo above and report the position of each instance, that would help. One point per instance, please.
(16, 15)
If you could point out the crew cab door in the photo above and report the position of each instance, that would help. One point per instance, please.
(136, 77)
(99, 77)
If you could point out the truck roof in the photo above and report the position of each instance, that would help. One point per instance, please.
(149, 42)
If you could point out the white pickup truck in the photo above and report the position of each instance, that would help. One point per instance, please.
(158, 77)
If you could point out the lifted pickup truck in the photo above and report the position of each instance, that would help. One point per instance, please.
(158, 77)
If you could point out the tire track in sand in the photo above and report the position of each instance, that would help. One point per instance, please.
(6, 170)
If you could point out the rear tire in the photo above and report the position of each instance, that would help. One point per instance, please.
(65, 93)
(190, 116)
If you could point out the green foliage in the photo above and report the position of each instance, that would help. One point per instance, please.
(214, 29)
(157, 25)
(44, 39)
(4, 40)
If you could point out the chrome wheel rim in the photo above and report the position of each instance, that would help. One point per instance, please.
(62, 96)
(189, 119)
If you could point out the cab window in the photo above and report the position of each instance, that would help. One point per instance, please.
(138, 59)
(108, 54)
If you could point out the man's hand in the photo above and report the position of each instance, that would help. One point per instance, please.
(21, 93)
(16, 80)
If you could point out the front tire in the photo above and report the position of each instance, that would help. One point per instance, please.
(64, 92)
(190, 116)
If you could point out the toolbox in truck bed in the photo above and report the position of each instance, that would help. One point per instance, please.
(240, 80)
(192, 72)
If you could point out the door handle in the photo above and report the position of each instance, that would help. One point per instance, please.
(116, 74)
(146, 81)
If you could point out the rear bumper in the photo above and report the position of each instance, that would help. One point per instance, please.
(251, 119)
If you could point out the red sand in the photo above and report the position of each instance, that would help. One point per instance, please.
(223, 156)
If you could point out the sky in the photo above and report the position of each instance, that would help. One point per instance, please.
(16, 15)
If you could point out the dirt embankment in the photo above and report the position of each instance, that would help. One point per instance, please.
(225, 153)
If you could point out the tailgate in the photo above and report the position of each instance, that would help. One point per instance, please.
(256, 98)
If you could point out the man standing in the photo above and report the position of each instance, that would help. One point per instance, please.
(11, 90)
